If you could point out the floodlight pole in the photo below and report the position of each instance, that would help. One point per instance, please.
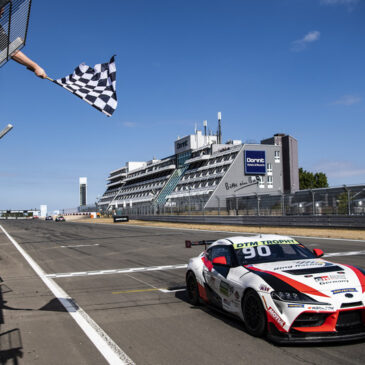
(6, 130)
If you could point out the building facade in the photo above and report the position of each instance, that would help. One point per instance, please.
(205, 172)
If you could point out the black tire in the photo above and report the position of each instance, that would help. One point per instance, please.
(192, 289)
(254, 314)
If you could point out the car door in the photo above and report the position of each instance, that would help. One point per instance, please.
(219, 260)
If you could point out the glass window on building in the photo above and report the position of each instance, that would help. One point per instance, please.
(182, 157)
(261, 181)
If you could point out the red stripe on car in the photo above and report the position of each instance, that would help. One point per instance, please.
(207, 263)
(203, 293)
(295, 284)
(359, 275)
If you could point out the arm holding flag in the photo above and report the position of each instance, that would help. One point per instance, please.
(21, 58)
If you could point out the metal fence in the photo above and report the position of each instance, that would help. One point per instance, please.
(345, 200)
(14, 20)
(335, 201)
(341, 201)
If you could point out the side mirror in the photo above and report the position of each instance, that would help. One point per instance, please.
(318, 252)
(220, 260)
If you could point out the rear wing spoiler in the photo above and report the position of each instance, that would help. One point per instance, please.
(188, 244)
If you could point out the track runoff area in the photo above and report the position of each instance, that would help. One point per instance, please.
(93, 294)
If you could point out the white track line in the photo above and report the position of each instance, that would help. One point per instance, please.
(95, 244)
(209, 230)
(116, 271)
(349, 253)
(162, 268)
(112, 353)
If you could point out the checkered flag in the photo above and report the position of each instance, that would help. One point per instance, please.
(97, 86)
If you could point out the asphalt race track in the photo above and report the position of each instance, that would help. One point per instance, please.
(128, 281)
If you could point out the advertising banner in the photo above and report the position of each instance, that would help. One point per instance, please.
(255, 163)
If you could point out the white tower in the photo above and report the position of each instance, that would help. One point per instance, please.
(83, 190)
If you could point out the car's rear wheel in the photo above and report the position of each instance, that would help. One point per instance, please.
(192, 289)
(254, 314)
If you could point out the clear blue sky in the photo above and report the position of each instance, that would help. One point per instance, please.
(291, 66)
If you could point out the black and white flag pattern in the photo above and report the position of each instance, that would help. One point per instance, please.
(97, 86)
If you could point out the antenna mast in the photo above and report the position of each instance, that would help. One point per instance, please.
(219, 132)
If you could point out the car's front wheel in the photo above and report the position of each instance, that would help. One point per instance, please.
(254, 314)
(192, 289)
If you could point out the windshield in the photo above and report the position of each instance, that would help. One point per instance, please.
(259, 253)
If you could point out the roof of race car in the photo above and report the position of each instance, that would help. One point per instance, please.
(258, 240)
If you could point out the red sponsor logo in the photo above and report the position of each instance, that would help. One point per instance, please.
(322, 278)
(276, 317)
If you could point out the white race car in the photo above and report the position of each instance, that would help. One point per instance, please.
(279, 287)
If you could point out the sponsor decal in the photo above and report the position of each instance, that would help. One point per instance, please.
(346, 290)
(237, 246)
(322, 308)
(225, 289)
(322, 278)
(295, 305)
(255, 162)
(303, 264)
(276, 317)
(308, 276)
(330, 279)
(264, 288)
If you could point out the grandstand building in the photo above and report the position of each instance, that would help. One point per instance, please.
(205, 172)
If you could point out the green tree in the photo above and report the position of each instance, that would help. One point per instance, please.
(320, 180)
(309, 180)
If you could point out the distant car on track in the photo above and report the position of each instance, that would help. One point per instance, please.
(49, 218)
(60, 218)
(278, 287)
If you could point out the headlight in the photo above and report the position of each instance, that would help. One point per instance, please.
(296, 297)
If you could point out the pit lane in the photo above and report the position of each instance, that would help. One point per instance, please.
(145, 312)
